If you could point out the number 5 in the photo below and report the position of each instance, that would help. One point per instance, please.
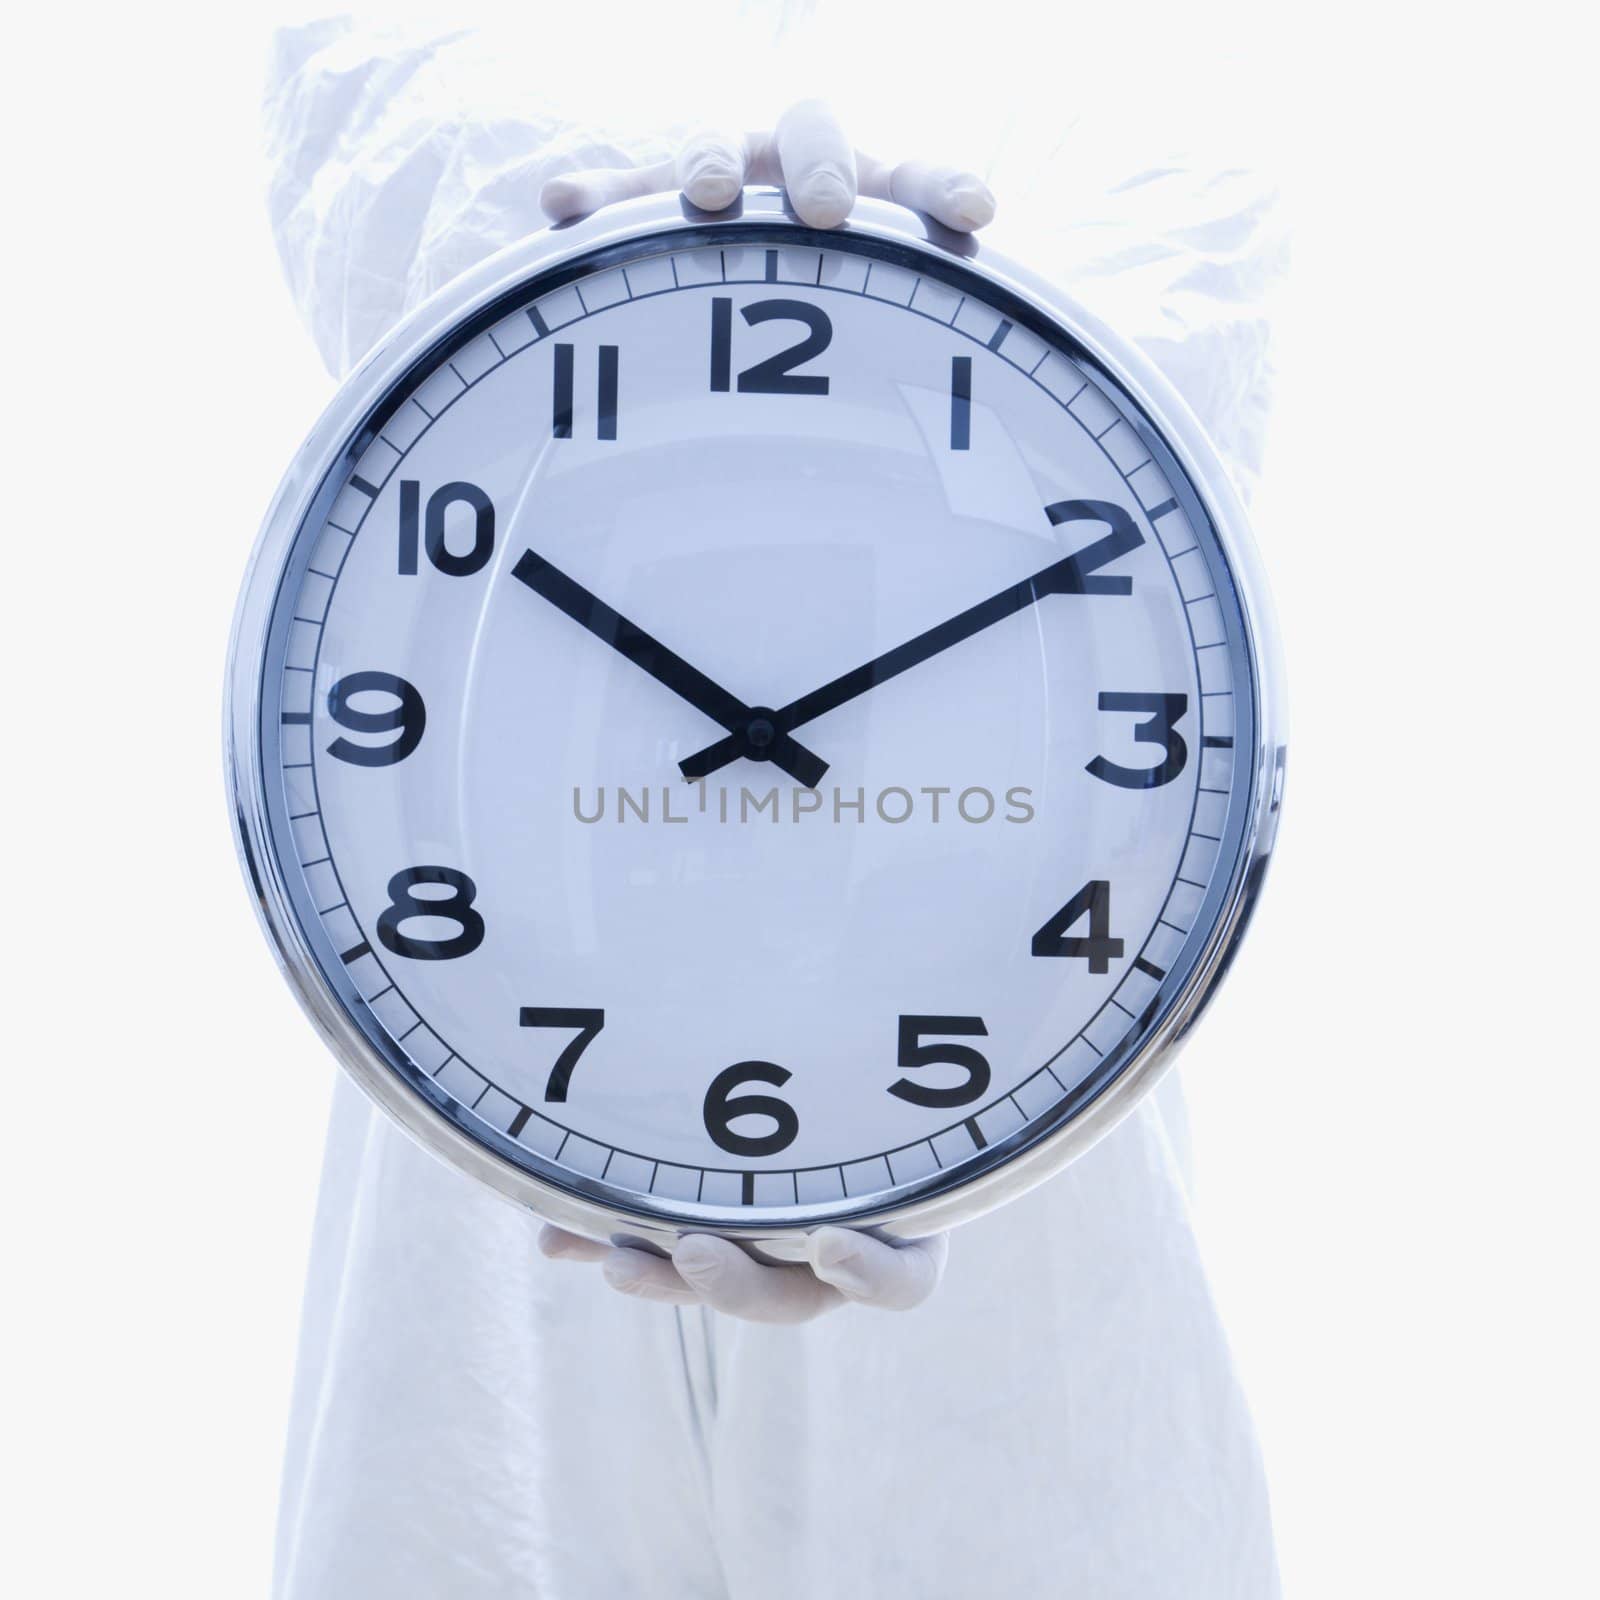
(914, 1053)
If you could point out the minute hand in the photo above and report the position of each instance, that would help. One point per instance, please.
(1074, 574)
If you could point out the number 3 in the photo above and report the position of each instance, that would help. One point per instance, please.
(1165, 711)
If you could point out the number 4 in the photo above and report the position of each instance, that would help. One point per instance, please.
(1097, 947)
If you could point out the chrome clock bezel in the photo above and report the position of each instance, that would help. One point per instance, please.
(1003, 1169)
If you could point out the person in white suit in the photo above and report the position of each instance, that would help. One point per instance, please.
(475, 1414)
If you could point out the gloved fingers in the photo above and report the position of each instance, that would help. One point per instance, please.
(872, 1273)
(576, 194)
(844, 1265)
(818, 164)
(559, 1245)
(647, 1277)
(807, 153)
(711, 167)
(962, 201)
(730, 1281)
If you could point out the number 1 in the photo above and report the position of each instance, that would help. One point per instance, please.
(961, 402)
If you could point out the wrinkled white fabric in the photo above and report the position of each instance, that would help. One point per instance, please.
(471, 1419)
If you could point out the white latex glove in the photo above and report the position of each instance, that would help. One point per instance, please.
(823, 173)
(706, 1270)
(807, 153)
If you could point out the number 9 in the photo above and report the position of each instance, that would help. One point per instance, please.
(409, 717)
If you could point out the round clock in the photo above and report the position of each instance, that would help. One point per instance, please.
(735, 727)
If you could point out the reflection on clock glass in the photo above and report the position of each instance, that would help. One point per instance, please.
(758, 726)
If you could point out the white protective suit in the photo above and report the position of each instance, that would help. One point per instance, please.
(473, 1420)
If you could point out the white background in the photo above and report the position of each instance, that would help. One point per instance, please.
(1394, 1097)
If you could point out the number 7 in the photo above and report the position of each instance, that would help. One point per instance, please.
(587, 1022)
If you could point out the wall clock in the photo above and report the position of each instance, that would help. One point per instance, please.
(736, 727)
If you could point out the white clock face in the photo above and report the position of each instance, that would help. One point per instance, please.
(758, 729)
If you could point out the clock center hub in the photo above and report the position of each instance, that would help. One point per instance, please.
(759, 733)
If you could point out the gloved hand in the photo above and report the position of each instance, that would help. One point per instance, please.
(841, 1266)
(809, 155)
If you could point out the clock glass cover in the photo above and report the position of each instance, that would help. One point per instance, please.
(743, 727)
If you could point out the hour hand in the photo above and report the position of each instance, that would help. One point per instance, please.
(754, 728)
